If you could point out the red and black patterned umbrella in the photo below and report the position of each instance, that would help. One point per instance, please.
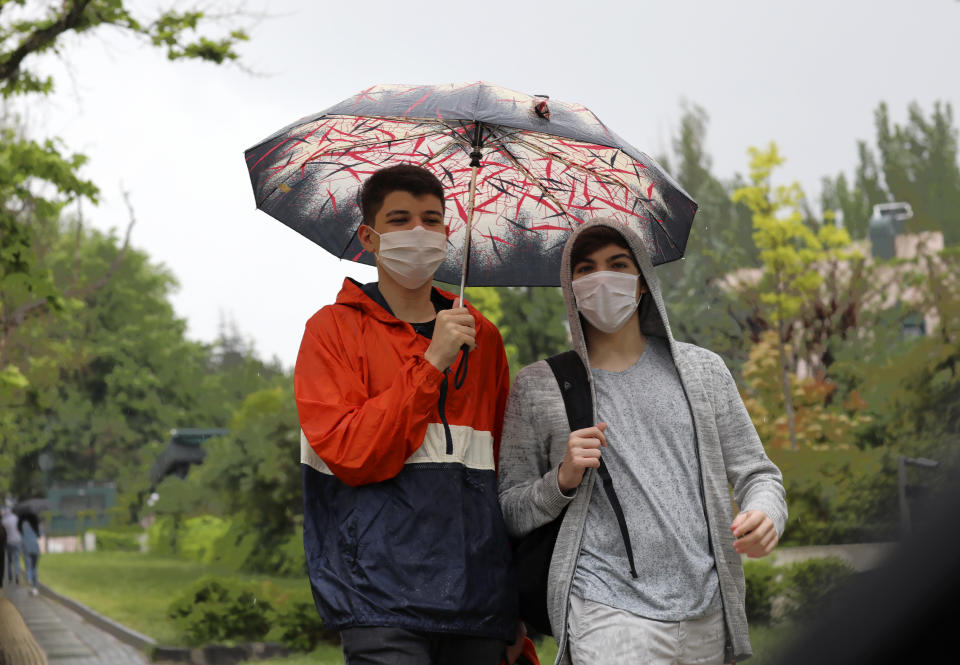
(520, 171)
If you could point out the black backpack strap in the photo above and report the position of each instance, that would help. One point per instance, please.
(574, 386)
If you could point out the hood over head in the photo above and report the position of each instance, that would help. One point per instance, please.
(653, 315)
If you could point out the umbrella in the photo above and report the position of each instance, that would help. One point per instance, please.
(520, 172)
(32, 506)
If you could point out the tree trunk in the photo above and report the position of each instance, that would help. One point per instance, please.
(785, 382)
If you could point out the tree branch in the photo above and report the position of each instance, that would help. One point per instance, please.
(40, 39)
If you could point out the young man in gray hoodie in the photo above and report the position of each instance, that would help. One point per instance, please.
(675, 436)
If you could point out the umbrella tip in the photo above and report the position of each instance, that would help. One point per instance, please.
(540, 106)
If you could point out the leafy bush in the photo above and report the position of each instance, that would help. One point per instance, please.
(162, 536)
(112, 541)
(302, 628)
(198, 537)
(809, 584)
(762, 587)
(291, 560)
(215, 609)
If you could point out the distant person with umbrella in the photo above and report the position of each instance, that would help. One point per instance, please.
(406, 550)
(646, 566)
(14, 544)
(29, 526)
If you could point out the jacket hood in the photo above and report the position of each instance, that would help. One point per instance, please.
(653, 313)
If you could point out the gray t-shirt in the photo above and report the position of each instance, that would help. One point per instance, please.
(652, 457)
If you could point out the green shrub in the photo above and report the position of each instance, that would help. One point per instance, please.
(291, 561)
(111, 541)
(216, 609)
(809, 584)
(762, 587)
(198, 536)
(162, 536)
(302, 628)
(237, 547)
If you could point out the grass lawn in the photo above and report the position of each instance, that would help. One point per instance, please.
(136, 589)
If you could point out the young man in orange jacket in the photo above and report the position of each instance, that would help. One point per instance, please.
(406, 549)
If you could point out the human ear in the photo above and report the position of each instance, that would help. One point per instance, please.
(368, 238)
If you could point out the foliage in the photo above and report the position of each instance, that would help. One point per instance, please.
(27, 34)
(247, 475)
(113, 541)
(821, 421)
(302, 628)
(762, 586)
(810, 584)
(720, 243)
(149, 584)
(214, 609)
(792, 255)
(531, 319)
(917, 163)
(47, 281)
(855, 201)
(838, 495)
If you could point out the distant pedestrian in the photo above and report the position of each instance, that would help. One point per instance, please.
(14, 544)
(30, 531)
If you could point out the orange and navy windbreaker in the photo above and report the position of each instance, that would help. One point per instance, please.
(402, 526)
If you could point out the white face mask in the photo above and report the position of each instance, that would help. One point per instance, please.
(412, 256)
(606, 298)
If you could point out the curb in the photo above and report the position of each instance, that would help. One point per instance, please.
(121, 632)
(211, 654)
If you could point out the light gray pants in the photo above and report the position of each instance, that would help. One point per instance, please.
(598, 633)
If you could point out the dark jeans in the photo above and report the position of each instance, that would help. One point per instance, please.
(395, 646)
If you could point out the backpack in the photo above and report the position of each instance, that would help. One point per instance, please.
(532, 553)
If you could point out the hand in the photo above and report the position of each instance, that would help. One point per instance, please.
(453, 328)
(756, 536)
(583, 452)
(514, 650)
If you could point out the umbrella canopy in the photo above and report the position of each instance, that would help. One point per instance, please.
(522, 171)
(32, 506)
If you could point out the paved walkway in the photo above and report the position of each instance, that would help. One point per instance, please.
(65, 637)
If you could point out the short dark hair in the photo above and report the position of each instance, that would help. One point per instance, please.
(596, 238)
(409, 178)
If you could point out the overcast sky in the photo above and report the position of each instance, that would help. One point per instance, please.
(805, 74)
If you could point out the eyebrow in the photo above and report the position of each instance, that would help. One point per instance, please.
(401, 211)
(622, 255)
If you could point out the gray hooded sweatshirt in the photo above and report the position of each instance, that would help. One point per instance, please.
(730, 455)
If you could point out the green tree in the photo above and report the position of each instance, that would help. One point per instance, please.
(920, 166)
(532, 320)
(45, 282)
(855, 202)
(792, 255)
(249, 471)
(917, 163)
(720, 243)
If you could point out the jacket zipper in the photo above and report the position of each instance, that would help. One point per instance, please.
(442, 408)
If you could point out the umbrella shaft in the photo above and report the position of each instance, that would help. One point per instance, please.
(466, 239)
